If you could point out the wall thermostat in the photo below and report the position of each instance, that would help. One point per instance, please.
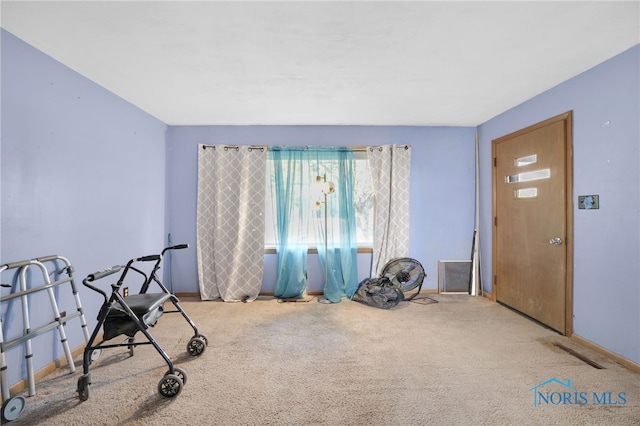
(588, 202)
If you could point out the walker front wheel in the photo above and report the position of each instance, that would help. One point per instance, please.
(180, 373)
(170, 386)
(13, 408)
(83, 387)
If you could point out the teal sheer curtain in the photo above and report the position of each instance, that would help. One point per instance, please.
(340, 263)
(300, 215)
(291, 192)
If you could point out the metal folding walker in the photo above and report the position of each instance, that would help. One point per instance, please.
(13, 407)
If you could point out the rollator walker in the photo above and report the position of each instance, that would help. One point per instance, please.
(129, 314)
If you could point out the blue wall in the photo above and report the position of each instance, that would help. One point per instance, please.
(82, 177)
(605, 101)
(442, 189)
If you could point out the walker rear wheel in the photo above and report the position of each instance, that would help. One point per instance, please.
(196, 346)
(203, 337)
(13, 408)
(95, 354)
(170, 386)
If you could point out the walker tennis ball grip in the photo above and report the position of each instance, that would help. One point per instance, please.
(104, 273)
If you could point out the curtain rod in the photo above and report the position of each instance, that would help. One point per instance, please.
(371, 148)
(263, 147)
(237, 147)
(356, 148)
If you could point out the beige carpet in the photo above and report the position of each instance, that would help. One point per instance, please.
(462, 361)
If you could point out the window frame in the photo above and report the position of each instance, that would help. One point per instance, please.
(360, 154)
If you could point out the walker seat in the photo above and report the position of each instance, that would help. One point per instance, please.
(148, 308)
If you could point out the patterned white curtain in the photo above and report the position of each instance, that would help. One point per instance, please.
(230, 221)
(390, 167)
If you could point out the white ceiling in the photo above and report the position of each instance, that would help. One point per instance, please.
(332, 62)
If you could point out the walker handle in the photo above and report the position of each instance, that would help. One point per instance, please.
(101, 274)
(44, 259)
(19, 264)
(176, 247)
(148, 258)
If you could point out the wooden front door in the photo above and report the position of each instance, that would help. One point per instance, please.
(532, 222)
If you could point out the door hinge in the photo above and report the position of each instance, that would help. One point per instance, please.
(495, 221)
(495, 280)
(495, 161)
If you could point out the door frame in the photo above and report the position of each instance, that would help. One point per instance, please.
(567, 118)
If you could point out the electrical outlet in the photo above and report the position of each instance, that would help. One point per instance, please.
(125, 291)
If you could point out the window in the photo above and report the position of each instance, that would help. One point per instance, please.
(363, 198)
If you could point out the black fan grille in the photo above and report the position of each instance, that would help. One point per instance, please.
(404, 272)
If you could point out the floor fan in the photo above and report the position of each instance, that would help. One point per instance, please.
(406, 274)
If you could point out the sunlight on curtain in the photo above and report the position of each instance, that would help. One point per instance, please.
(390, 167)
(336, 165)
(300, 210)
(230, 221)
(293, 206)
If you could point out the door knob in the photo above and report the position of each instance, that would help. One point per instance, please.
(555, 241)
